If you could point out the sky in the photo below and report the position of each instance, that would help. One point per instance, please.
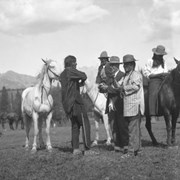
(52, 29)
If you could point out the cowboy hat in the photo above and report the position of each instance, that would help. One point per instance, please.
(114, 60)
(128, 58)
(103, 55)
(159, 50)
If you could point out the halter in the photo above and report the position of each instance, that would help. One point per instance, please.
(44, 87)
(48, 68)
(52, 72)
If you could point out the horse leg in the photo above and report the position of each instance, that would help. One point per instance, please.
(95, 142)
(174, 121)
(35, 117)
(149, 129)
(48, 124)
(41, 142)
(27, 122)
(167, 118)
(3, 124)
(17, 122)
(107, 128)
(22, 124)
(11, 124)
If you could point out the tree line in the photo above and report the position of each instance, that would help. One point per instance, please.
(10, 101)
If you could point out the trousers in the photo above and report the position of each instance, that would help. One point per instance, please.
(77, 121)
(134, 123)
(119, 128)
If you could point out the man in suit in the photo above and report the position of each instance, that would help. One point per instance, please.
(131, 88)
(114, 105)
(71, 79)
(101, 76)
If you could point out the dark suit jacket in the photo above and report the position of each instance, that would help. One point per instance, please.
(70, 85)
(99, 79)
(114, 95)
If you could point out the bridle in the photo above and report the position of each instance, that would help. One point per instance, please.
(43, 86)
(49, 69)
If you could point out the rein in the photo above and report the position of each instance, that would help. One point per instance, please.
(96, 98)
(53, 72)
(44, 87)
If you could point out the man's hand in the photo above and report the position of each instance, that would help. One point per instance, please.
(103, 87)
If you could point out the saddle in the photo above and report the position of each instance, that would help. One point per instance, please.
(155, 84)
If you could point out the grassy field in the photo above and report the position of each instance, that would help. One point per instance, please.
(155, 163)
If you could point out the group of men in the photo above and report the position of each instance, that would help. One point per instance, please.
(125, 99)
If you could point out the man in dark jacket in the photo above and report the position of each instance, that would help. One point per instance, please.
(71, 79)
(114, 105)
(101, 77)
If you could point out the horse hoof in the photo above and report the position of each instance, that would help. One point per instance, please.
(50, 149)
(95, 143)
(108, 143)
(33, 151)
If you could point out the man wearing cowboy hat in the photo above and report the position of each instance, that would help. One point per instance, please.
(114, 104)
(101, 77)
(131, 89)
(154, 70)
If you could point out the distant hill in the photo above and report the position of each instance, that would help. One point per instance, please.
(13, 80)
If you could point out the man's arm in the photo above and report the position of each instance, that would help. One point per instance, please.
(136, 83)
(76, 74)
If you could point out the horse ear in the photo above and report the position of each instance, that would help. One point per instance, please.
(176, 60)
(44, 61)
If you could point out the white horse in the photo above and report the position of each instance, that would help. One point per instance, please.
(99, 102)
(37, 104)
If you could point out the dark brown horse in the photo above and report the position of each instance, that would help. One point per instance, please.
(168, 103)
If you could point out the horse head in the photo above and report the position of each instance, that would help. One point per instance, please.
(53, 69)
(178, 64)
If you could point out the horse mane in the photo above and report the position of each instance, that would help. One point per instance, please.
(40, 75)
(170, 76)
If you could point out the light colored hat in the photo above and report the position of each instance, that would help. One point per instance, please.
(114, 60)
(128, 58)
(159, 50)
(104, 55)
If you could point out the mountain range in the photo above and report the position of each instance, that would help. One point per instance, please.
(14, 80)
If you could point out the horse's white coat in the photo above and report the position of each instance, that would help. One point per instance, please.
(37, 101)
(99, 102)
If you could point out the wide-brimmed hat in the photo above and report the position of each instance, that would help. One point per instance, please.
(128, 58)
(159, 50)
(104, 55)
(114, 60)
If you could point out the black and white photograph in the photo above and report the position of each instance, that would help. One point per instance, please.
(89, 89)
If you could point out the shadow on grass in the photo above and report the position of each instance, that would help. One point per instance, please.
(103, 146)
(146, 143)
(63, 149)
